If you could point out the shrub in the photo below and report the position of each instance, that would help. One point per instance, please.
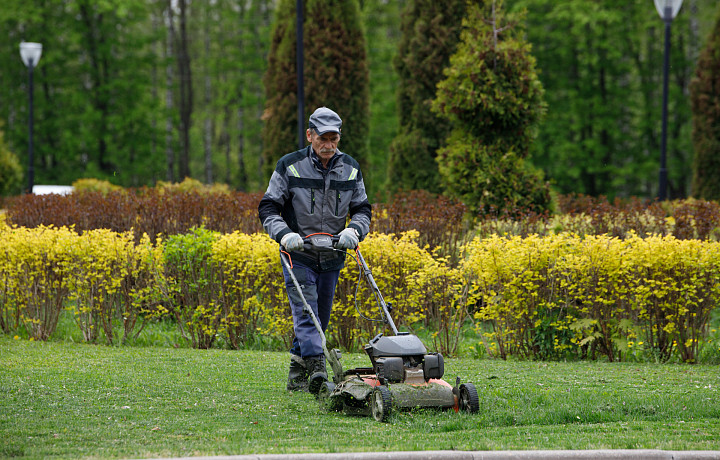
(492, 98)
(439, 220)
(142, 211)
(430, 34)
(252, 291)
(191, 286)
(97, 272)
(95, 185)
(705, 134)
(566, 296)
(11, 173)
(35, 279)
(190, 185)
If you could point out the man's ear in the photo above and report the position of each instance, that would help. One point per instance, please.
(308, 133)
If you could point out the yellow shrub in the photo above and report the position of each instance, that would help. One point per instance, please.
(253, 293)
(191, 185)
(547, 297)
(35, 279)
(98, 265)
(395, 263)
(95, 185)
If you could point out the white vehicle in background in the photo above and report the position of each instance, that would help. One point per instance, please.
(57, 189)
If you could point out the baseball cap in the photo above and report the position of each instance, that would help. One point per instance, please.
(324, 120)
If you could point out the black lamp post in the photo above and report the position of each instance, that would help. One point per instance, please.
(667, 9)
(30, 54)
(300, 73)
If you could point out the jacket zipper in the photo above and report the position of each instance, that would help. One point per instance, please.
(312, 201)
(337, 204)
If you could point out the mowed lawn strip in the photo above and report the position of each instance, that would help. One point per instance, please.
(67, 400)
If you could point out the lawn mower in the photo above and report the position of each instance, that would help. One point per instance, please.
(403, 374)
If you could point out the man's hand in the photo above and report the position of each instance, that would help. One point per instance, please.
(292, 242)
(348, 239)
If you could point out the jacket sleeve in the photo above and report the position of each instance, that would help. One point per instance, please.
(271, 207)
(360, 210)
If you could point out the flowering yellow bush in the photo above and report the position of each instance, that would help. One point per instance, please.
(252, 288)
(34, 276)
(395, 263)
(563, 294)
(551, 297)
(46, 269)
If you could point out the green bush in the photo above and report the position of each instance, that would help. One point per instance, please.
(95, 185)
(191, 286)
(11, 173)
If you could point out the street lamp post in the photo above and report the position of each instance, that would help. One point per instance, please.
(667, 9)
(30, 54)
(300, 67)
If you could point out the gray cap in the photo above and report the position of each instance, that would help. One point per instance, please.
(324, 120)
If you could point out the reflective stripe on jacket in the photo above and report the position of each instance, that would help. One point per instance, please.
(305, 198)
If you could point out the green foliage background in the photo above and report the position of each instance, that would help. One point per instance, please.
(107, 89)
(11, 173)
(706, 119)
(492, 98)
(335, 76)
(430, 33)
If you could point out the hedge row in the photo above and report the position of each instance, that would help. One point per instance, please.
(171, 209)
(563, 296)
(554, 297)
(152, 211)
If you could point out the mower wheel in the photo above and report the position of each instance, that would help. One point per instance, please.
(327, 402)
(469, 400)
(381, 403)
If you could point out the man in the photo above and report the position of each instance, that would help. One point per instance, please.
(314, 190)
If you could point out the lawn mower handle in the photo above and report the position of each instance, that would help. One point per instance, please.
(327, 242)
(384, 309)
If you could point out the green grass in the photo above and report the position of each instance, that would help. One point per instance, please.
(69, 400)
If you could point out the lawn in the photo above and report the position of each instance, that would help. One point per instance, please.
(67, 400)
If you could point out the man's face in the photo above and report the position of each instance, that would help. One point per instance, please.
(324, 145)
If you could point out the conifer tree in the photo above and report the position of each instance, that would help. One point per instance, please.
(705, 100)
(492, 98)
(430, 33)
(336, 76)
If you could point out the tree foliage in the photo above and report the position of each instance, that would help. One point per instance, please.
(430, 33)
(108, 89)
(381, 19)
(336, 76)
(492, 97)
(705, 97)
(600, 63)
(11, 172)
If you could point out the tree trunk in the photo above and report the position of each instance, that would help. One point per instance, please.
(99, 77)
(169, 95)
(186, 95)
(208, 125)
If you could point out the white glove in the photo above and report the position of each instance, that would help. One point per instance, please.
(292, 242)
(348, 239)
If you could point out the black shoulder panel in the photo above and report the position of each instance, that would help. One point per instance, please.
(289, 159)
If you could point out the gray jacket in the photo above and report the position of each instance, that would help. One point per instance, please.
(305, 198)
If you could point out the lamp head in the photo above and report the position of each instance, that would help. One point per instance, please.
(671, 6)
(30, 53)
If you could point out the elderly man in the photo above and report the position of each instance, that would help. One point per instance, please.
(315, 190)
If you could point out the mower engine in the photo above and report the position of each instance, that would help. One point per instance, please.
(403, 358)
